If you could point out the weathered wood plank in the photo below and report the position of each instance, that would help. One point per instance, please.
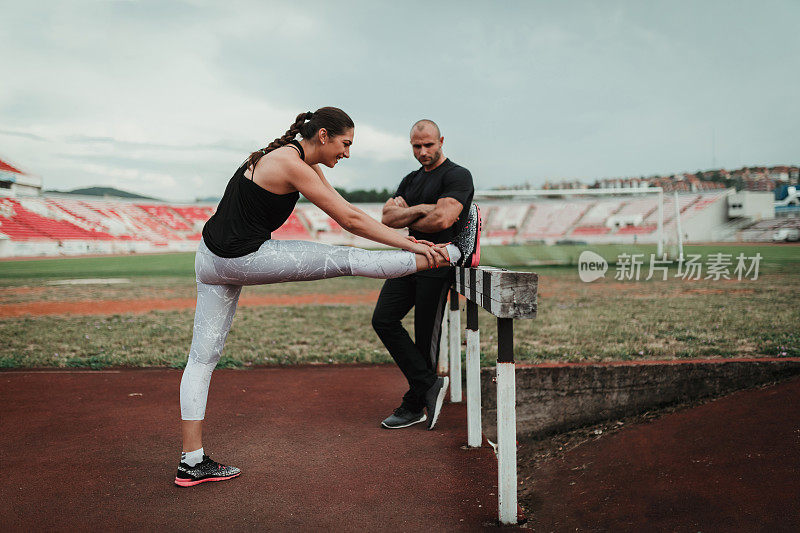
(504, 293)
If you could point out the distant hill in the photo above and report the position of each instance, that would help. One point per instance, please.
(208, 200)
(106, 192)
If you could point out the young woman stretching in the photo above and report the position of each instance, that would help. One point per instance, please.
(236, 250)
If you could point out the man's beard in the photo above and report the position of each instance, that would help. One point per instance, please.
(434, 159)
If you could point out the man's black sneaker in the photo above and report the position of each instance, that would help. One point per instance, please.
(468, 241)
(434, 399)
(205, 470)
(402, 418)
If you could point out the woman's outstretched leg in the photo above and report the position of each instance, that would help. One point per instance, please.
(284, 261)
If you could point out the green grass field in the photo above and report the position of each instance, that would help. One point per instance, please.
(177, 265)
(603, 320)
(775, 257)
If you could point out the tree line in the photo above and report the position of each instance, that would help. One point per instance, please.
(364, 196)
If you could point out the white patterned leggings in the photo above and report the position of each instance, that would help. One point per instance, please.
(220, 280)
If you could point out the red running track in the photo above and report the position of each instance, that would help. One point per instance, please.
(99, 450)
(729, 465)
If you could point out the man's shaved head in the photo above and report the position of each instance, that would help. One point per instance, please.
(426, 143)
(424, 124)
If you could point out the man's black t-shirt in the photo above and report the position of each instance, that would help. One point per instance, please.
(448, 180)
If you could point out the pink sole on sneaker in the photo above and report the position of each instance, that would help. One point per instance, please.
(189, 483)
(476, 255)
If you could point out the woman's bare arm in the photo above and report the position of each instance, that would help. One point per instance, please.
(318, 191)
(331, 187)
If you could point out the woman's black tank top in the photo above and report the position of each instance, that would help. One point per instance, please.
(246, 217)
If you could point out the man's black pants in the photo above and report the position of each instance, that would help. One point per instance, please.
(417, 359)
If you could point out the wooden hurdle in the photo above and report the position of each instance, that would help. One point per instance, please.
(507, 295)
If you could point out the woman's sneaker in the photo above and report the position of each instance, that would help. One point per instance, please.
(468, 241)
(205, 470)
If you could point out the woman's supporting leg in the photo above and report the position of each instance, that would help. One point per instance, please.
(192, 434)
(216, 306)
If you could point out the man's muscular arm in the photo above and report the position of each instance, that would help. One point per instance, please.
(444, 215)
(397, 213)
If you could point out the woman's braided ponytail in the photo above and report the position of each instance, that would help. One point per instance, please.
(287, 137)
(334, 120)
(290, 134)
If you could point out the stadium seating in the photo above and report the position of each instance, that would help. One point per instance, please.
(700, 203)
(636, 230)
(78, 213)
(568, 215)
(318, 220)
(684, 203)
(166, 215)
(593, 221)
(23, 224)
(145, 226)
(167, 226)
(763, 230)
(293, 228)
(194, 214)
(552, 219)
(590, 230)
(599, 211)
(507, 218)
(639, 206)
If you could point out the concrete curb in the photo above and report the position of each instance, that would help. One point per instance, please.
(552, 398)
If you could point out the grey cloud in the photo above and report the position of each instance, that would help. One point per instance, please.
(224, 146)
(523, 91)
(23, 135)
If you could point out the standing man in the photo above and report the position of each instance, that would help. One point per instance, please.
(433, 202)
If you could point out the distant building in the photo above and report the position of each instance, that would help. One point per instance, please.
(763, 179)
(752, 205)
(561, 185)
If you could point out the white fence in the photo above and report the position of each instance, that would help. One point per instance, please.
(507, 295)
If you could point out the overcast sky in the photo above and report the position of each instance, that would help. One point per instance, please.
(166, 98)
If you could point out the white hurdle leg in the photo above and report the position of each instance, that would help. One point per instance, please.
(455, 348)
(474, 437)
(444, 346)
(506, 423)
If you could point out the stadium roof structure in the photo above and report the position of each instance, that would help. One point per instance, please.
(529, 193)
(9, 171)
